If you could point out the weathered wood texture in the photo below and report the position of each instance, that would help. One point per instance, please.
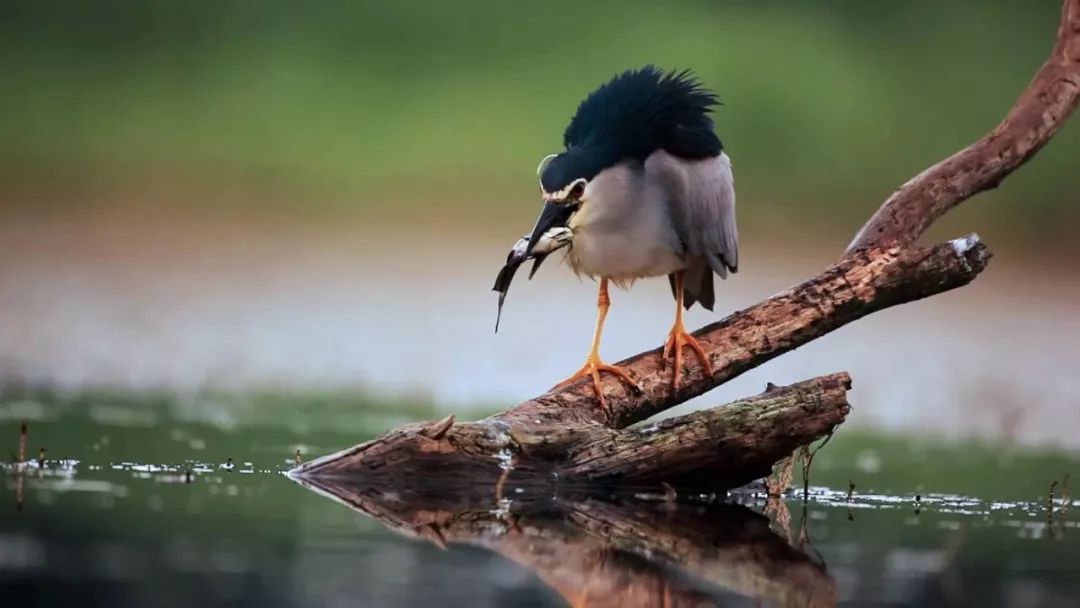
(612, 551)
(565, 433)
(727, 446)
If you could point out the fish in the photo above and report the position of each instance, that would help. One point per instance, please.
(550, 242)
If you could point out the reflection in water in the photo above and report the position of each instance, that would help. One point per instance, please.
(124, 515)
(607, 550)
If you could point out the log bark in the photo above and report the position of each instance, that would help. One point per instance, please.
(565, 435)
(726, 446)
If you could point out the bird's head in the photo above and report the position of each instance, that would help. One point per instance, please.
(626, 119)
(564, 184)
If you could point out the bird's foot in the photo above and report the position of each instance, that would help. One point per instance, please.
(678, 338)
(592, 368)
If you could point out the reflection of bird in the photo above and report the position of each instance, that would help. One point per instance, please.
(643, 189)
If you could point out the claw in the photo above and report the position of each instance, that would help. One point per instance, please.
(679, 337)
(592, 369)
(673, 348)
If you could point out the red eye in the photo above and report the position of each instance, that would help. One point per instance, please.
(577, 190)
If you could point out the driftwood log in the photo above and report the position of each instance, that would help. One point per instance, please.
(564, 437)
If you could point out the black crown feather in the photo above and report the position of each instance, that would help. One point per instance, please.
(631, 116)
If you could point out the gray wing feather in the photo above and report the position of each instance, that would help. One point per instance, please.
(701, 200)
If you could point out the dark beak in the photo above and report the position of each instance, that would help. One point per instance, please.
(553, 214)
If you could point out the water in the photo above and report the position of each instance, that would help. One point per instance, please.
(150, 502)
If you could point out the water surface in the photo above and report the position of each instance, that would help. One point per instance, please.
(138, 504)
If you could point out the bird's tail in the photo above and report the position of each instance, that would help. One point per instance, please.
(697, 285)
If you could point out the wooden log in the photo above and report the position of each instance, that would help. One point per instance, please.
(724, 447)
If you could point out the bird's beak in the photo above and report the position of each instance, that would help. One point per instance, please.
(553, 214)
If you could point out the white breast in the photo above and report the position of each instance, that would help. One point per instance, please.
(623, 230)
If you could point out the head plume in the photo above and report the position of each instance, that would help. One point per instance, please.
(630, 117)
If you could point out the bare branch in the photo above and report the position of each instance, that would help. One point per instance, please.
(1039, 112)
(854, 287)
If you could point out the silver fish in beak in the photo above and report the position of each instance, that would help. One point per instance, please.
(548, 243)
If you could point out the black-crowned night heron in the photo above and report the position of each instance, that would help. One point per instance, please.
(643, 189)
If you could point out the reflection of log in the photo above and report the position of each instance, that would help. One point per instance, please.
(730, 547)
(612, 552)
(881, 269)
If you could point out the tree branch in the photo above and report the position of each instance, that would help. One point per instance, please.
(857, 285)
(1039, 112)
(725, 446)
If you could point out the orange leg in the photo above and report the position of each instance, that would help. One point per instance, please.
(593, 365)
(679, 337)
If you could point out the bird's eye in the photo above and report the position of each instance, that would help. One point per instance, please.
(577, 190)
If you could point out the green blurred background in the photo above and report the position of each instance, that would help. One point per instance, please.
(399, 108)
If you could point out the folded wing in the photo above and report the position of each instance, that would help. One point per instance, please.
(701, 197)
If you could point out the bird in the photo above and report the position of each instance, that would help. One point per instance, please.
(644, 188)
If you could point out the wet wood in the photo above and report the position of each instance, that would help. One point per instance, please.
(564, 433)
(725, 446)
(617, 550)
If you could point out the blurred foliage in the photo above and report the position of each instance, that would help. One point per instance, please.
(828, 105)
